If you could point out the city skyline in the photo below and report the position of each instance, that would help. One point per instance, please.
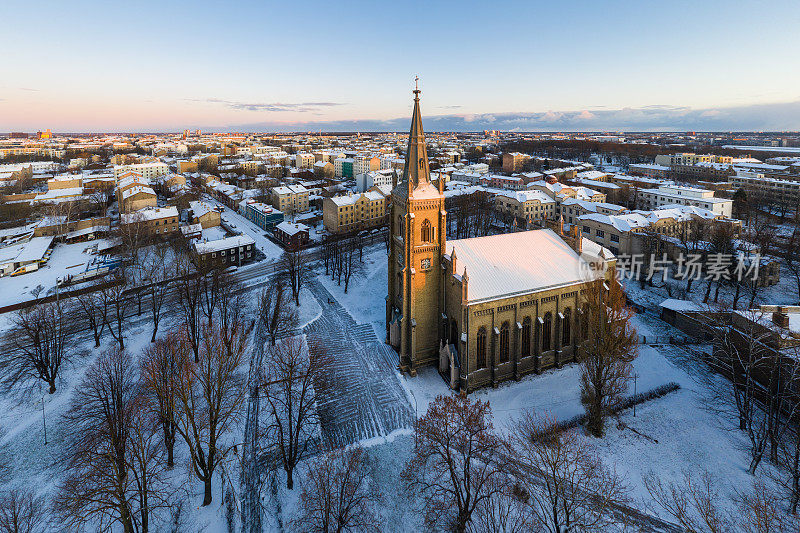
(311, 66)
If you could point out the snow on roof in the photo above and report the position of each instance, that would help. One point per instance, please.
(526, 196)
(26, 252)
(127, 193)
(290, 228)
(223, 244)
(509, 264)
(149, 213)
(289, 189)
(623, 223)
(200, 208)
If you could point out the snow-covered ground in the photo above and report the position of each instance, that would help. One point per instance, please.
(66, 259)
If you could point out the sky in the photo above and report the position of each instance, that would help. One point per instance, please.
(92, 66)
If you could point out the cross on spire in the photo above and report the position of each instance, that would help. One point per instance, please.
(416, 86)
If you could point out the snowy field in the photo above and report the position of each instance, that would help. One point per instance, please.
(66, 259)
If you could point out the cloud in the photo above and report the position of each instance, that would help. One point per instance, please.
(657, 117)
(301, 107)
(29, 89)
(450, 106)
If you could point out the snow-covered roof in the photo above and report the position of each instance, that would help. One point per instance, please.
(227, 243)
(26, 252)
(500, 266)
(149, 213)
(291, 228)
(681, 305)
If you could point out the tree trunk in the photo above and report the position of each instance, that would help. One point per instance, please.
(289, 479)
(52, 383)
(207, 491)
(754, 464)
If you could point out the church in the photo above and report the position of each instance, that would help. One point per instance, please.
(484, 309)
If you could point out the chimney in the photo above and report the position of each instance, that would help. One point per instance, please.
(780, 318)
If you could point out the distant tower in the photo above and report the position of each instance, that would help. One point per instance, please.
(417, 226)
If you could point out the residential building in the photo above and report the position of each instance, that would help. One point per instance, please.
(156, 220)
(304, 160)
(374, 178)
(772, 189)
(229, 251)
(262, 215)
(354, 212)
(292, 235)
(204, 214)
(530, 206)
(681, 195)
(148, 171)
(513, 161)
(290, 198)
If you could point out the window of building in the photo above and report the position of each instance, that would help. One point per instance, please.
(504, 342)
(601, 233)
(547, 332)
(614, 238)
(585, 322)
(427, 231)
(481, 353)
(566, 327)
(526, 337)
(425, 264)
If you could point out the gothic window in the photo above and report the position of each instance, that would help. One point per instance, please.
(425, 264)
(547, 332)
(566, 326)
(454, 333)
(526, 337)
(481, 355)
(504, 342)
(427, 231)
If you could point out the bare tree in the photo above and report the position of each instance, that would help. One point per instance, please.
(43, 341)
(275, 310)
(294, 266)
(693, 504)
(338, 494)
(93, 308)
(161, 363)
(458, 461)
(209, 398)
(116, 304)
(505, 512)
(22, 512)
(189, 289)
(565, 485)
(607, 354)
(288, 386)
(741, 355)
(157, 271)
(113, 466)
(762, 511)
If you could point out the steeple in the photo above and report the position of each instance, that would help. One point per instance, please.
(416, 170)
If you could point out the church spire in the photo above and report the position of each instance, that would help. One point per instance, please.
(416, 169)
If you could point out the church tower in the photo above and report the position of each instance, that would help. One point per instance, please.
(417, 229)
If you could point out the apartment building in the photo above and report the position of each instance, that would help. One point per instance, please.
(365, 163)
(156, 220)
(772, 189)
(262, 215)
(513, 161)
(649, 170)
(230, 251)
(354, 212)
(134, 193)
(677, 194)
(368, 180)
(304, 160)
(146, 170)
(532, 206)
(204, 214)
(572, 208)
(290, 198)
(343, 167)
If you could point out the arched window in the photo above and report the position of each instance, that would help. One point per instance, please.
(454, 333)
(585, 322)
(504, 342)
(547, 332)
(526, 337)
(566, 327)
(427, 231)
(481, 359)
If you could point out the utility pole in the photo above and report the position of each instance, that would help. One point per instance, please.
(635, 376)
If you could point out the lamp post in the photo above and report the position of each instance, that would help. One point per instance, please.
(44, 423)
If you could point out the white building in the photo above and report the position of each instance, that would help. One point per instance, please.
(677, 194)
(147, 170)
(304, 160)
(366, 180)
